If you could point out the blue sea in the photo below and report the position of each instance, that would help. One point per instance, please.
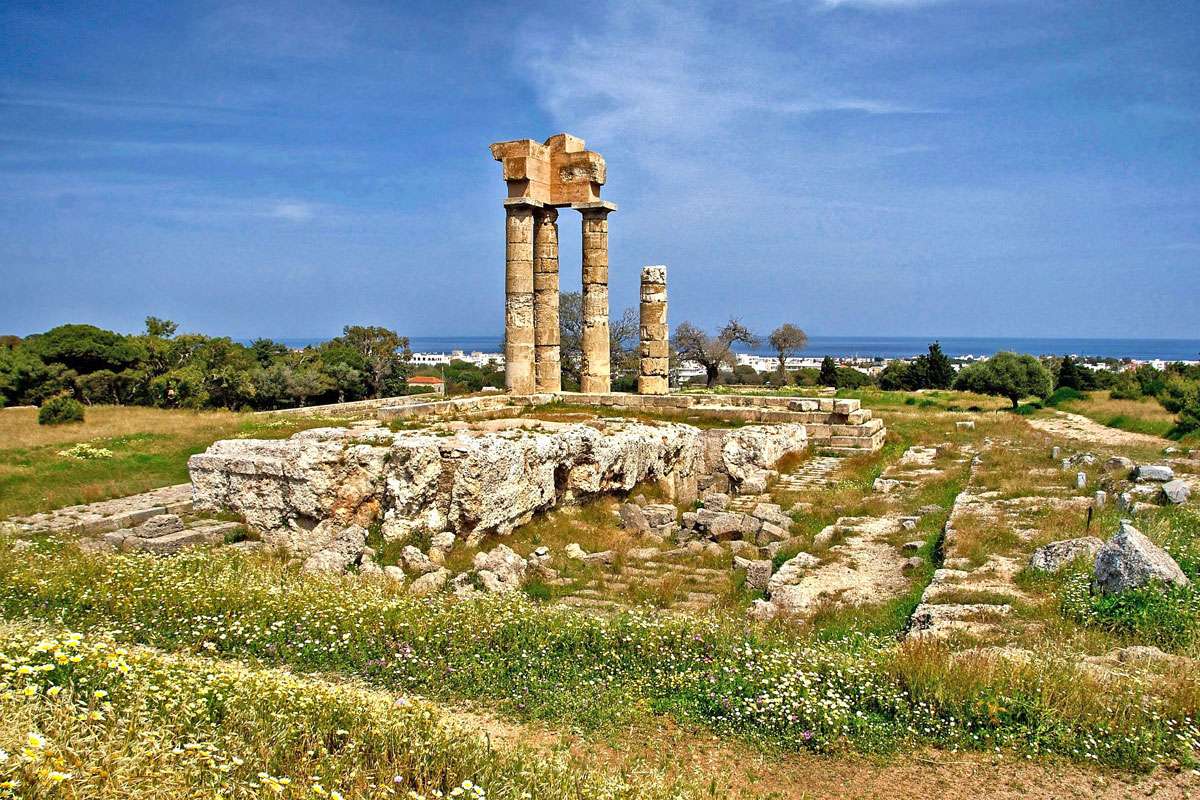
(887, 347)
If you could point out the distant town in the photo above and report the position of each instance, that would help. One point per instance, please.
(868, 365)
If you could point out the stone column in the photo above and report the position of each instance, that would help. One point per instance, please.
(518, 296)
(654, 357)
(594, 376)
(545, 301)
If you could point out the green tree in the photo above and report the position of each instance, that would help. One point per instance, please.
(85, 348)
(307, 382)
(1007, 375)
(786, 340)
(895, 377)
(1070, 375)
(938, 370)
(267, 352)
(21, 371)
(101, 386)
(1182, 396)
(850, 378)
(829, 373)
(385, 356)
(160, 328)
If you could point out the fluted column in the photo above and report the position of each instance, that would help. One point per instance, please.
(653, 353)
(545, 301)
(518, 296)
(595, 378)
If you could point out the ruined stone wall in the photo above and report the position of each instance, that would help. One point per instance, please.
(470, 484)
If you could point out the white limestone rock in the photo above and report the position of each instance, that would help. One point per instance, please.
(1054, 556)
(344, 547)
(430, 582)
(416, 562)
(1159, 473)
(792, 571)
(1176, 492)
(501, 570)
(1129, 560)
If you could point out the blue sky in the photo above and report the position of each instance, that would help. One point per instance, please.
(885, 167)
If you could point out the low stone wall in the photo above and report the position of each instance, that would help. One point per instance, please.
(354, 407)
(838, 424)
(466, 481)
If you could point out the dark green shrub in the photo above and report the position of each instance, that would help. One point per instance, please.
(1064, 394)
(59, 410)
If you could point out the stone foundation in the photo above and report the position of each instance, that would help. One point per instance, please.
(466, 480)
(835, 424)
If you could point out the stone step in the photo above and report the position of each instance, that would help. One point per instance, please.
(589, 603)
(681, 568)
(213, 533)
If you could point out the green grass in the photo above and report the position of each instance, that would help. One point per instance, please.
(150, 448)
(115, 722)
(859, 692)
(1166, 617)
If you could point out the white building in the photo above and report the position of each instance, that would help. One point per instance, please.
(476, 357)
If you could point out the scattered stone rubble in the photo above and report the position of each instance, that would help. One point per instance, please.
(159, 521)
(1054, 556)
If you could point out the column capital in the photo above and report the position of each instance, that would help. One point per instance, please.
(605, 206)
(516, 202)
(547, 214)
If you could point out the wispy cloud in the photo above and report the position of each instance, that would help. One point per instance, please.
(882, 4)
(662, 69)
(122, 107)
(292, 211)
(268, 28)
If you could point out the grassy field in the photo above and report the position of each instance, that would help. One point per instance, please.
(656, 705)
(149, 448)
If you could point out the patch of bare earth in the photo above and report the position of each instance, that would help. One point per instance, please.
(1080, 428)
(745, 771)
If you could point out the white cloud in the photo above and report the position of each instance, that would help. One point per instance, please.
(661, 70)
(292, 211)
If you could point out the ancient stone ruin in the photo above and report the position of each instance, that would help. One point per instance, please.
(468, 468)
(464, 481)
(654, 351)
(541, 178)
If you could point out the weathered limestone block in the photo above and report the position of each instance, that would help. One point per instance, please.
(284, 488)
(1054, 556)
(471, 484)
(743, 453)
(344, 547)
(1129, 560)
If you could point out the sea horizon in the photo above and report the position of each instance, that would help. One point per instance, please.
(885, 347)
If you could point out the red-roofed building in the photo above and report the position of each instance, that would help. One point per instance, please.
(436, 384)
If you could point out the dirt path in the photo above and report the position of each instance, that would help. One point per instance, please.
(1080, 428)
(748, 772)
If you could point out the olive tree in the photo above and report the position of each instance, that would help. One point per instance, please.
(786, 340)
(1007, 375)
(711, 352)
